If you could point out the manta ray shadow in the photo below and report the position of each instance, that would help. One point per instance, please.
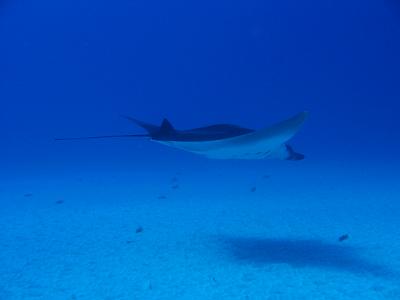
(303, 253)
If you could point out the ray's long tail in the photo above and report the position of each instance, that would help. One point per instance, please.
(102, 137)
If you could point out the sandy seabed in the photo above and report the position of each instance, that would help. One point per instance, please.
(202, 232)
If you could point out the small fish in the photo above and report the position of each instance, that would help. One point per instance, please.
(174, 179)
(266, 176)
(139, 229)
(59, 201)
(343, 237)
(253, 189)
(175, 186)
(28, 195)
(162, 197)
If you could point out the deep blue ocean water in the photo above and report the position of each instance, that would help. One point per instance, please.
(71, 68)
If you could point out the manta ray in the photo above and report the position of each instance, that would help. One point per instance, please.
(224, 141)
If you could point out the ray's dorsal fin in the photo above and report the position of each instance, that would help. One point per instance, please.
(166, 127)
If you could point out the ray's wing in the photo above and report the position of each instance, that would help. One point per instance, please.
(276, 134)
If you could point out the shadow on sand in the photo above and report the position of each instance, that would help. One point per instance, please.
(303, 253)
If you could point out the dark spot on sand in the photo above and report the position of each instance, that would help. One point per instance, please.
(343, 237)
(28, 195)
(139, 229)
(175, 186)
(129, 242)
(59, 201)
(253, 189)
(162, 197)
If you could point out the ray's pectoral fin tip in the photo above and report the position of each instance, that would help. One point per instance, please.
(292, 155)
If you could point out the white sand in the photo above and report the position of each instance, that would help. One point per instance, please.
(211, 238)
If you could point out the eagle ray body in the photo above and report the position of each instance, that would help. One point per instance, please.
(225, 141)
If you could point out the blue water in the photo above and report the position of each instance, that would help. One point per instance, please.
(212, 229)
